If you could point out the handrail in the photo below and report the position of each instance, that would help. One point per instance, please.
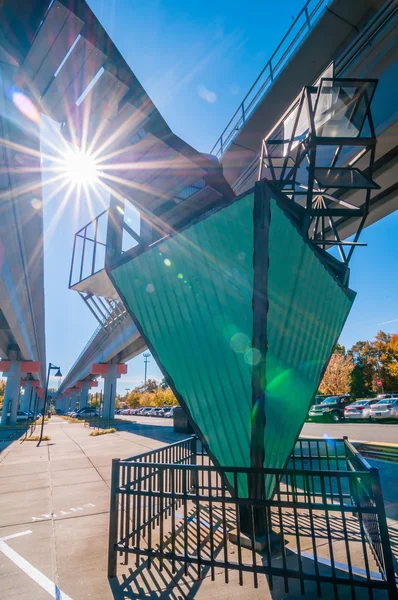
(270, 70)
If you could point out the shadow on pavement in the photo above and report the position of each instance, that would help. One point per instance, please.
(8, 435)
(163, 433)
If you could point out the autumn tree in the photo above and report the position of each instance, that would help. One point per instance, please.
(375, 360)
(2, 391)
(337, 377)
(158, 397)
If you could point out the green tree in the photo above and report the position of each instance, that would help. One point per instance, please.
(151, 385)
(163, 384)
(339, 349)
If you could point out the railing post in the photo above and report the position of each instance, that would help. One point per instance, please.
(194, 472)
(307, 17)
(385, 540)
(113, 520)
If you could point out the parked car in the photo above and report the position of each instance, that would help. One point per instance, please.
(145, 412)
(169, 413)
(84, 413)
(319, 399)
(385, 396)
(385, 409)
(360, 409)
(331, 408)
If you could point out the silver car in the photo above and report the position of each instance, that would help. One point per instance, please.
(360, 409)
(385, 409)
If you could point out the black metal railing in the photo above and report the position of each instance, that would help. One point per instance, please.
(322, 527)
(291, 41)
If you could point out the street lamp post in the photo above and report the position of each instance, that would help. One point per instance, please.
(57, 374)
(146, 360)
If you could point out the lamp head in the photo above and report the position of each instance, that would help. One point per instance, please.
(58, 373)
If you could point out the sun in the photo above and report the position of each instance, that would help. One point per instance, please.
(81, 168)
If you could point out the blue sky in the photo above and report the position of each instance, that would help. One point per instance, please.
(197, 60)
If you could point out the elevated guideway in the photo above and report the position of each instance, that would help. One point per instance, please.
(360, 38)
(22, 334)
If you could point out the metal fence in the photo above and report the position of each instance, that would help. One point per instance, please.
(324, 528)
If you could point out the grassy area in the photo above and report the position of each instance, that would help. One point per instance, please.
(102, 431)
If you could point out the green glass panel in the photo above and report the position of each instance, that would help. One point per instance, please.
(307, 310)
(192, 295)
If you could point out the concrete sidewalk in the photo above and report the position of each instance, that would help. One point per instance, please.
(54, 507)
(57, 496)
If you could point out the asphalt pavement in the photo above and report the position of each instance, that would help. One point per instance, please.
(355, 431)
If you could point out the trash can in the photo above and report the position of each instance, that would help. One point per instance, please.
(181, 423)
(49, 414)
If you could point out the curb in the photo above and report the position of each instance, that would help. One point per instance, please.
(384, 451)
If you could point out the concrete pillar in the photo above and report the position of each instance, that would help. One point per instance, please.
(73, 398)
(11, 394)
(25, 400)
(13, 371)
(110, 373)
(84, 394)
(110, 382)
(62, 404)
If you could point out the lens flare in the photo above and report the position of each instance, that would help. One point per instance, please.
(36, 203)
(252, 356)
(240, 343)
(26, 106)
(167, 262)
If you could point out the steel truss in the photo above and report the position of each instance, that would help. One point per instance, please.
(321, 152)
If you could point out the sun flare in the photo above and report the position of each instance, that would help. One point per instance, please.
(81, 168)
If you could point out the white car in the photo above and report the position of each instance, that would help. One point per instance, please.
(170, 413)
(385, 409)
(360, 409)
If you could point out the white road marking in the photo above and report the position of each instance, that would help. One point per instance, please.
(338, 565)
(63, 513)
(49, 586)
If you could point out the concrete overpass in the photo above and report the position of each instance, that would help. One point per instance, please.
(22, 334)
(361, 40)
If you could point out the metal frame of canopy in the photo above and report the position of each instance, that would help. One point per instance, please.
(315, 123)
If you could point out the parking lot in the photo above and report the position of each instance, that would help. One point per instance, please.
(356, 431)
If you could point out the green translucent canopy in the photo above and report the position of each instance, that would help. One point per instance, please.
(191, 296)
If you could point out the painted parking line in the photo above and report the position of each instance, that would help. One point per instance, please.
(44, 582)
